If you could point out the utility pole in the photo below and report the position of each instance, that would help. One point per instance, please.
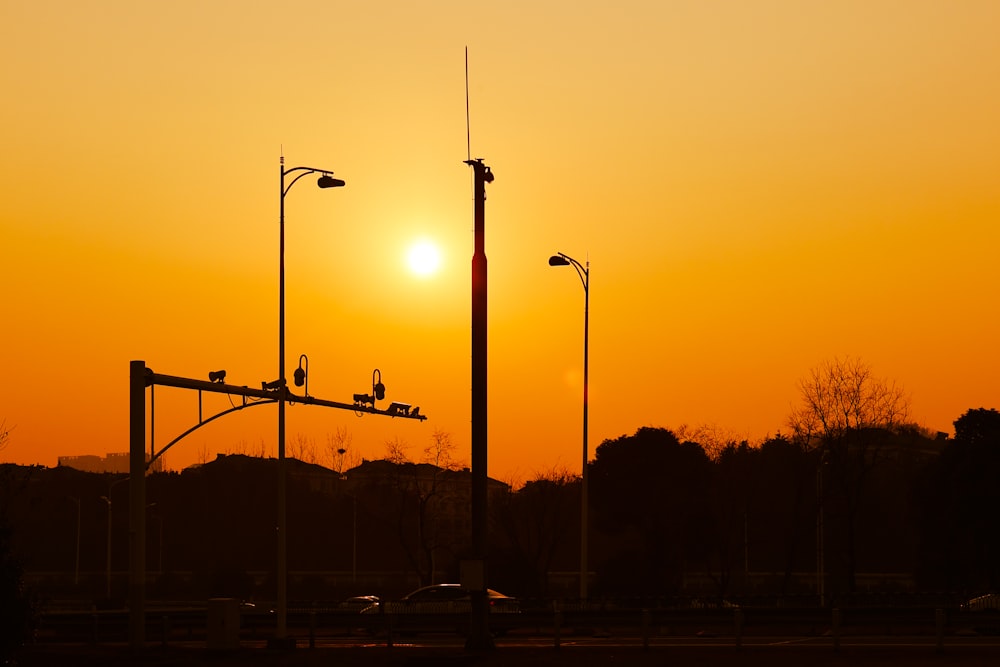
(479, 635)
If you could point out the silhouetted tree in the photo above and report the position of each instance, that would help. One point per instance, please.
(844, 414)
(960, 542)
(339, 450)
(650, 492)
(4, 434)
(736, 481)
(17, 610)
(418, 494)
(712, 438)
(979, 428)
(783, 525)
(533, 525)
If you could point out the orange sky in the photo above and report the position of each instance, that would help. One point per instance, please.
(759, 186)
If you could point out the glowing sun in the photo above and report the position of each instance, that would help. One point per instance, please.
(423, 258)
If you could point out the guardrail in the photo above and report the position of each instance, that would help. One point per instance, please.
(558, 622)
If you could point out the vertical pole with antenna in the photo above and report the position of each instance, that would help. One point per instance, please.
(468, 128)
(479, 636)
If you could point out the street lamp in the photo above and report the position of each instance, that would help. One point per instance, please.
(583, 271)
(326, 180)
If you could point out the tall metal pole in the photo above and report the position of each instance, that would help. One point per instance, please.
(479, 635)
(583, 271)
(584, 501)
(325, 181)
(138, 376)
(282, 564)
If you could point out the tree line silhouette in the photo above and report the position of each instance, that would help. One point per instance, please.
(914, 510)
(853, 500)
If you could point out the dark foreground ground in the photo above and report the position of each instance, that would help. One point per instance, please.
(770, 656)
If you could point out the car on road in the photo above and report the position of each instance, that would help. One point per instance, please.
(358, 602)
(439, 606)
(987, 602)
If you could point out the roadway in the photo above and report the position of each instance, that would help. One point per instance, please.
(870, 651)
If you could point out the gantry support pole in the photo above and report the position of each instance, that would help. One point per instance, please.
(137, 504)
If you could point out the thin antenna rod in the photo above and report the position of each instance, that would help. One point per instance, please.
(468, 132)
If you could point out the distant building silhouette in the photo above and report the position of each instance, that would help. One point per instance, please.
(114, 462)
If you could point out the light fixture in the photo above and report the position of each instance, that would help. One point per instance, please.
(558, 260)
(273, 384)
(378, 391)
(328, 181)
(217, 376)
(301, 375)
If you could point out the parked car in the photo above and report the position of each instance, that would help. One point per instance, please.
(440, 606)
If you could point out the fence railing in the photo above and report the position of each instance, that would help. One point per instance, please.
(555, 622)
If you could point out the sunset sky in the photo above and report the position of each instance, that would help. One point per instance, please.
(759, 187)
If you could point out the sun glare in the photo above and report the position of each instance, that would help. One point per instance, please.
(423, 258)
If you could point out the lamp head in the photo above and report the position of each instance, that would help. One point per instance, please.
(328, 181)
(558, 260)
